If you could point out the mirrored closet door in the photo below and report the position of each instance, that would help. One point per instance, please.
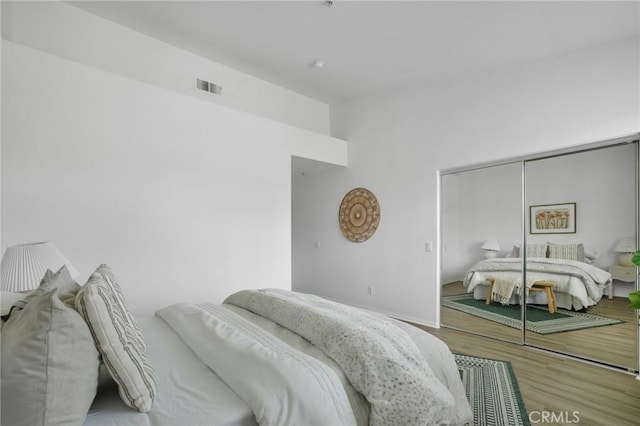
(545, 239)
(480, 222)
(580, 208)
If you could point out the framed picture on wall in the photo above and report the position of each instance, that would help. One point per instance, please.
(552, 219)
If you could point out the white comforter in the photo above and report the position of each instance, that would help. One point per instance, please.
(343, 379)
(584, 282)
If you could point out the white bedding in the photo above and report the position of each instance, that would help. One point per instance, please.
(577, 284)
(190, 393)
(283, 386)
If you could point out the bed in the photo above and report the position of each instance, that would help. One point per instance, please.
(578, 284)
(268, 357)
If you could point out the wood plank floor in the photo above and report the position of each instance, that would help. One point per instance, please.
(558, 385)
(614, 345)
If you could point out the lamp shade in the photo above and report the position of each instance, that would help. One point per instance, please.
(491, 249)
(23, 266)
(626, 245)
(491, 245)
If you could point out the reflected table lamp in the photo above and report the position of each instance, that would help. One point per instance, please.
(626, 247)
(24, 265)
(491, 249)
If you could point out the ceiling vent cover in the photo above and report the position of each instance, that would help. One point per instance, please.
(207, 86)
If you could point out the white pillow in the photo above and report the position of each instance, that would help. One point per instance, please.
(590, 255)
(118, 338)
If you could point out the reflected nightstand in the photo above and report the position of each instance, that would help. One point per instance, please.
(621, 273)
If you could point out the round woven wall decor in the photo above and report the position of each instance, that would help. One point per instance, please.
(359, 215)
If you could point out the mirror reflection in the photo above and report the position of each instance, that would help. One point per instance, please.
(580, 210)
(579, 227)
(480, 222)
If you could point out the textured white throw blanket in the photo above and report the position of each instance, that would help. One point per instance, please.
(380, 360)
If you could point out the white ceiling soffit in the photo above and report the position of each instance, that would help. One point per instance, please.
(372, 46)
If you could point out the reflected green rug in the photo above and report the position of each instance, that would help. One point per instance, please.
(492, 391)
(539, 320)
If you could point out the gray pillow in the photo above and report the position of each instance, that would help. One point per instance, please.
(7, 300)
(67, 288)
(49, 363)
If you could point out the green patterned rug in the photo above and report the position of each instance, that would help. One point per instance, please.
(539, 320)
(492, 391)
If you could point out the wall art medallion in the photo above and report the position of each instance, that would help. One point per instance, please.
(359, 215)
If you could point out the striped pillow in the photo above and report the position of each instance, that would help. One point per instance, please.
(118, 338)
(536, 250)
(566, 251)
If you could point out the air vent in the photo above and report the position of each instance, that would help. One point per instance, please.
(207, 86)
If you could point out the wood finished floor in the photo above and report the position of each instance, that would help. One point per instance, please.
(560, 385)
(613, 345)
(555, 384)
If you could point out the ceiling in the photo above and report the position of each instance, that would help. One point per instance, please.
(372, 47)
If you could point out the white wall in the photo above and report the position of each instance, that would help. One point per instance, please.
(185, 199)
(398, 142)
(69, 32)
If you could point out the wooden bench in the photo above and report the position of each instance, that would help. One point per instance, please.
(538, 286)
(547, 287)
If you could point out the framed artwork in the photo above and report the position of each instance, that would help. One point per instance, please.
(552, 219)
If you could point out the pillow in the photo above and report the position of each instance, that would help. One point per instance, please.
(49, 363)
(67, 288)
(533, 250)
(118, 338)
(590, 255)
(8, 299)
(566, 251)
(536, 250)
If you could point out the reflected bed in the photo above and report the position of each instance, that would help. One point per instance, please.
(577, 285)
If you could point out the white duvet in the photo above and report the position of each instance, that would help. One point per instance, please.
(283, 386)
(345, 378)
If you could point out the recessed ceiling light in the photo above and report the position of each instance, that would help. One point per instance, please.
(317, 64)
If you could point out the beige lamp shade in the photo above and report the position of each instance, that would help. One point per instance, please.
(626, 247)
(23, 266)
